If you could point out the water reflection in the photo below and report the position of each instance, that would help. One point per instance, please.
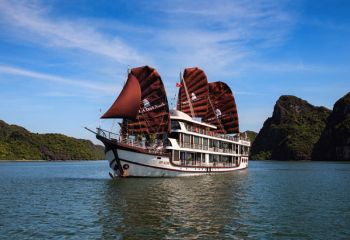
(174, 207)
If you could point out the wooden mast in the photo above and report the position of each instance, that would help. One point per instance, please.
(187, 95)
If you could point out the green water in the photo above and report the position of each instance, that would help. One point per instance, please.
(270, 200)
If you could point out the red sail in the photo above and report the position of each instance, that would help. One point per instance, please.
(128, 102)
(196, 83)
(222, 110)
(143, 102)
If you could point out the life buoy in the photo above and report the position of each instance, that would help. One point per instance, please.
(126, 166)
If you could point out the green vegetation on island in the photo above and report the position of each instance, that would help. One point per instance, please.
(17, 143)
(291, 132)
(298, 130)
(251, 135)
(334, 143)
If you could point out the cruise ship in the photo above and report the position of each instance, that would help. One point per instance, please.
(200, 136)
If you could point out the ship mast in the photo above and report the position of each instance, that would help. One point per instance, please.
(125, 119)
(187, 95)
(217, 118)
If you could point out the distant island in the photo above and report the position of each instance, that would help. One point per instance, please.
(17, 143)
(298, 130)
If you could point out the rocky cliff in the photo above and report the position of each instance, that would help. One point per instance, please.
(17, 143)
(291, 132)
(334, 143)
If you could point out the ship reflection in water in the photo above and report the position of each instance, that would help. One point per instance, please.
(271, 200)
(175, 208)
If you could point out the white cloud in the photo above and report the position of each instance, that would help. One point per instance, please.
(10, 70)
(33, 21)
(214, 36)
(218, 36)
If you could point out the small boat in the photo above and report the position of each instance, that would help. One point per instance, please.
(200, 136)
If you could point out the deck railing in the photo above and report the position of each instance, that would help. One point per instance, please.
(151, 147)
(212, 134)
(205, 147)
(107, 134)
(202, 164)
(158, 146)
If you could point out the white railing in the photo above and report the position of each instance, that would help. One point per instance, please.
(107, 134)
(158, 146)
(204, 147)
(198, 163)
(151, 147)
(212, 134)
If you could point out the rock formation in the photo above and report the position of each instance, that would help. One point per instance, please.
(334, 144)
(291, 132)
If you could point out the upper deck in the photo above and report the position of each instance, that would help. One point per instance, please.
(183, 123)
(183, 117)
(186, 134)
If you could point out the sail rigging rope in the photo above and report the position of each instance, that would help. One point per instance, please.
(187, 95)
(212, 107)
(173, 102)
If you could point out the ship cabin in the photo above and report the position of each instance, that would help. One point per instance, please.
(195, 143)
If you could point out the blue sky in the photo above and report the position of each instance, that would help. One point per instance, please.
(61, 61)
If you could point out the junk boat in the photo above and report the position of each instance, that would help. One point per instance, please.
(201, 136)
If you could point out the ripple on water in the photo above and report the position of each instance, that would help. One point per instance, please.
(270, 200)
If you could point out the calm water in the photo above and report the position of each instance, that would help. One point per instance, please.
(269, 200)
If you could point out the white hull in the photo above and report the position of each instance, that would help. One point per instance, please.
(137, 164)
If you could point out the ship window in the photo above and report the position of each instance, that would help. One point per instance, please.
(211, 143)
(174, 135)
(216, 144)
(187, 138)
(205, 141)
(192, 157)
(167, 142)
(213, 158)
(225, 159)
(176, 155)
(183, 155)
(175, 125)
(198, 156)
(187, 156)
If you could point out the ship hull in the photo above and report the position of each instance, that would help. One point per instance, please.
(127, 162)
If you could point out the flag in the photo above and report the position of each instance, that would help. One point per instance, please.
(178, 84)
